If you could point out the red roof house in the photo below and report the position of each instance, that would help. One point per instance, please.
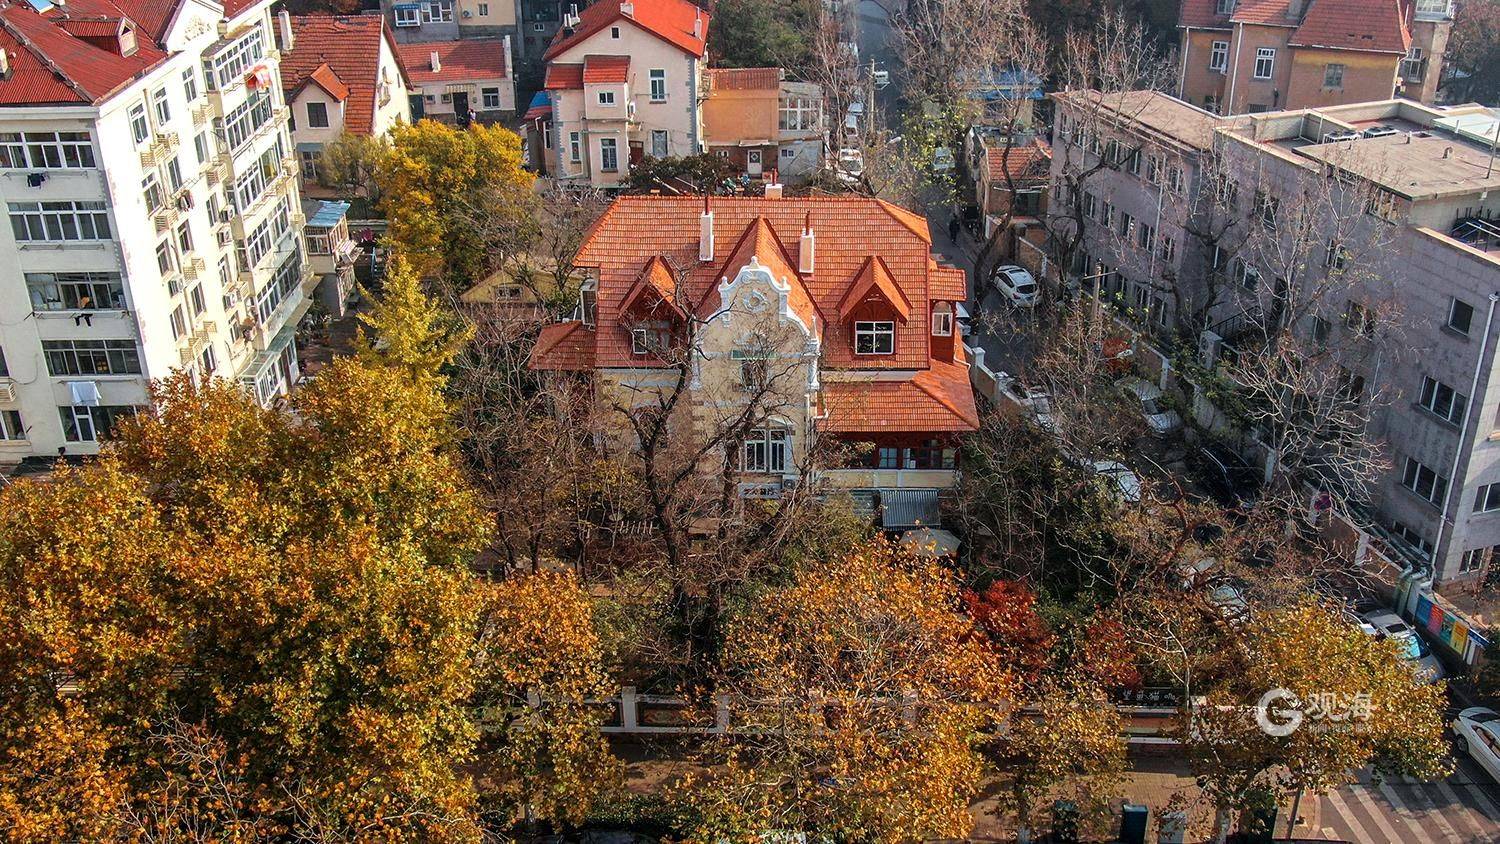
(351, 58)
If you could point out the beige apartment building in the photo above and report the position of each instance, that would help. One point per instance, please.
(763, 123)
(1249, 56)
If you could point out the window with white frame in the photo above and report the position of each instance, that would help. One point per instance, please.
(1265, 62)
(59, 221)
(75, 291)
(1166, 248)
(166, 258)
(658, 79)
(1225, 7)
(489, 98)
(151, 192)
(609, 155)
(317, 115)
(614, 33)
(140, 129)
(1421, 544)
(88, 424)
(229, 66)
(1218, 56)
(942, 320)
(200, 147)
(575, 147)
(163, 107)
(92, 357)
(1442, 400)
(1476, 559)
(874, 338)
(407, 15)
(606, 98)
(1337, 256)
(10, 425)
(1414, 65)
(484, 10)
(1424, 481)
(437, 11)
(46, 150)
(190, 84)
(767, 450)
(241, 124)
(1487, 500)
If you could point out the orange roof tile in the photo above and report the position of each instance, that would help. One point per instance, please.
(562, 77)
(914, 222)
(459, 60)
(336, 51)
(937, 399)
(658, 279)
(1371, 25)
(947, 284)
(1028, 161)
(51, 65)
(874, 280)
(677, 22)
(744, 78)
(566, 346)
(329, 81)
(605, 69)
(759, 241)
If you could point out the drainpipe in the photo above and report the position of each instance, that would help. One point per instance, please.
(1445, 535)
(1234, 70)
(1187, 40)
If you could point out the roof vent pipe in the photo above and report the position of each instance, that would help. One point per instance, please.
(706, 233)
(807, 247)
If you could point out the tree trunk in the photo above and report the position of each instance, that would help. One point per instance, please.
(1291, 824)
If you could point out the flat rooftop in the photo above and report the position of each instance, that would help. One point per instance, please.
(1161, 113)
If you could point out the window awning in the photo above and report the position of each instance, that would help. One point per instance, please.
(905, 508)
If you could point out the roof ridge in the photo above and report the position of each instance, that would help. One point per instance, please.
(905, 218)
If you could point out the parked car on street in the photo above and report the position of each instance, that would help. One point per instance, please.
(1476, 731)
(942, 160)
(1228, 478)
(850, 164)
(1033, 402)
(1160, 420)
(1016, 285)
(1227, 596)
(1384, 624)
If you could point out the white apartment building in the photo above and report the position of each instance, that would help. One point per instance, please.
(155, 222)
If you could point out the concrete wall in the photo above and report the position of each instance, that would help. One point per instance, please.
(1368, 77)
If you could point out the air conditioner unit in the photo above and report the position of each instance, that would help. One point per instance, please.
(790, 483)
(1209, 344)
(225, 236)
(7, 390)
(468, 14)
(224, 216)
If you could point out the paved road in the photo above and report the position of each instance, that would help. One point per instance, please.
(1462, 809)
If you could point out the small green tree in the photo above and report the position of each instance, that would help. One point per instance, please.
(349, 165)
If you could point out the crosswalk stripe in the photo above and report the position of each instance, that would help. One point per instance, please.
(1341, 809)
(1486, 807)
(1432, 814)
(1461, 812)
(1401, 811)
(1381, 817)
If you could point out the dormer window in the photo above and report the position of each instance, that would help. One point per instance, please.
(874, 338)
(127, 41)
(1226, 7)
(588, 301)
(942, 320)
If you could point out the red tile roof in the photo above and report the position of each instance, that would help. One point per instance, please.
(947, 284)
(937, 399)
(458, 61)
(759, 243)
(1028, 161)
(51, 65)
(563, 77)
(338, 53)
(1373, 25)
(677, 22)
(566, 346)
(657, 286)
(744, 78)
(605, 69)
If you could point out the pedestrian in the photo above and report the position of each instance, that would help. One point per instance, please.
(953, 228)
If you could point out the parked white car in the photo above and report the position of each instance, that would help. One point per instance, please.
(881, 78)
(1227, 597)
(1016, 284)
(1476, 731)
(942, 160)
(1384, 624)
(850, 164)
(1160, 420)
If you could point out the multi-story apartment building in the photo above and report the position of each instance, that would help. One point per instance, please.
(761, 122)
(1410, 208)
(626, 81)
(1252, 56)
(446, 20)
(340, 74)
(148, 173)
(827, 317)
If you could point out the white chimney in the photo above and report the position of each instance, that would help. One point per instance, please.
(697, 26)
(773, 190)
(432, 59)
(806, 248)
(4, 64)
(706, 233)
(510, 71)
(627, 8)
(286, 30)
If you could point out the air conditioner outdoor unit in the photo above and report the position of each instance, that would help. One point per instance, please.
(468, 14)
(7, 390)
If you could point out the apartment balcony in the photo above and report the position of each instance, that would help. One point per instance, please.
(203, 112)
(161, 149)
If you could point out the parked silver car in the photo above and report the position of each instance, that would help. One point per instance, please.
(1384, 624)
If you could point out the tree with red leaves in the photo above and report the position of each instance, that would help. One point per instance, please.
(1006, 612)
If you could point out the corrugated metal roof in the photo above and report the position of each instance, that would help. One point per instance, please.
(902, 508)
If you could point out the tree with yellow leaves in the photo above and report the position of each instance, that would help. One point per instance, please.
(1313, 699)
(458, 200)
(409, 330)
(855, 697)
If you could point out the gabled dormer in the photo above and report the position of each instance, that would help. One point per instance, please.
(871, 308)
(651, 311)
